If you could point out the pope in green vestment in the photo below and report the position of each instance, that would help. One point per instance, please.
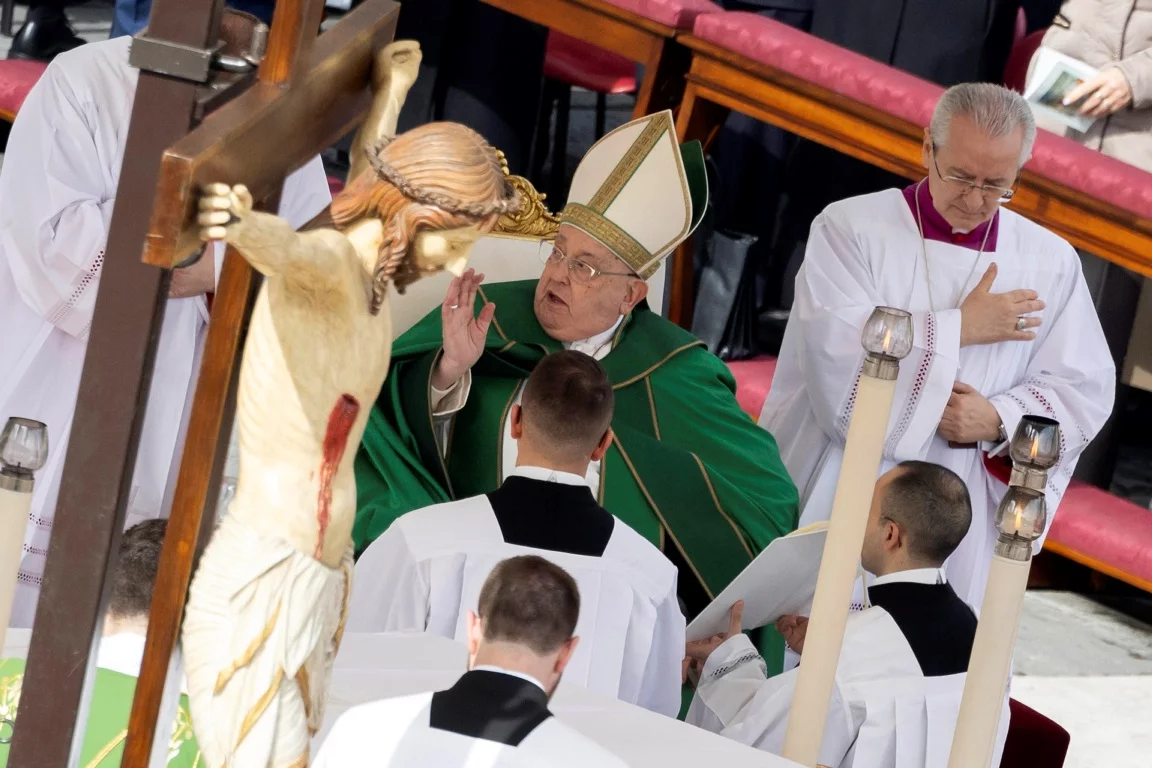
(687, 468)
(107, 729)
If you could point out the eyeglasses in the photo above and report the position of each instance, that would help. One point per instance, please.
(987, 191)
(580, 271)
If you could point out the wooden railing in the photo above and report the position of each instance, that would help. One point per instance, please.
(720, 80)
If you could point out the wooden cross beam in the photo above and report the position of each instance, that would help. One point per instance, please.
(270, 129)
(305, 98)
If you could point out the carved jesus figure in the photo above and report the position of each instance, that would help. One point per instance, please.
(266, 608)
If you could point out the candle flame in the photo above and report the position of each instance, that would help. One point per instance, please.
(1035, 449)
(1019, 516)
(888, 339)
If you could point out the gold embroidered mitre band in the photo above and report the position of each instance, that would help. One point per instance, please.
(639, 191)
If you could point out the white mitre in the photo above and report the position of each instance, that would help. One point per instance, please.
(639, 191)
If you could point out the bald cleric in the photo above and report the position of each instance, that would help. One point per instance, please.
(686, 468)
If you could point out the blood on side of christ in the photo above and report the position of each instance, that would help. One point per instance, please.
(340, 421)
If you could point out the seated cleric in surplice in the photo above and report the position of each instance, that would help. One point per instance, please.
(903, 662)
(425, 572)
(520, 640)
(687, 469)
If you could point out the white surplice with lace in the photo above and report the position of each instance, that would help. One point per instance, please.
(865, 252)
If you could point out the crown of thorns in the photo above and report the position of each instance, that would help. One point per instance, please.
(389, 174)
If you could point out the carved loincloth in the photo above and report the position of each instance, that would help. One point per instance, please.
(261, 631)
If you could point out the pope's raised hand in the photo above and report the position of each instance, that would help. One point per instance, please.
(221, 208)
(463, 331)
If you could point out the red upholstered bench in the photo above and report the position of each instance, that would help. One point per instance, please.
(1104, 532)
(876, 113)
(641, 31)
(16, 79)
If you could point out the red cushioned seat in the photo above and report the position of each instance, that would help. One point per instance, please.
(1104, 532)
(17, 77)
(753, 380)
(679, 14)
(1034, 741)
(1016, 70)
(335, 186)
(583, 65)
(897, 93)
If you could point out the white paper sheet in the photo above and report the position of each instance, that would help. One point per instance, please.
(780, 581)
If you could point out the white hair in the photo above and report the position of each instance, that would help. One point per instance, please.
(996, 111)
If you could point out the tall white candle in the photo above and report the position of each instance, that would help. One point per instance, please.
(1020, 520)
(14, 507)
(23, 450)
(888, 338)
(985, 685)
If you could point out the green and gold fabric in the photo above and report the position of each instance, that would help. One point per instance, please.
(688, 469)
(107, 719)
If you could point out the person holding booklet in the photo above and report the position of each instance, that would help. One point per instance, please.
(1113, 38)
(901, 672)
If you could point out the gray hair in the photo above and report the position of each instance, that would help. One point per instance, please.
(996, 110)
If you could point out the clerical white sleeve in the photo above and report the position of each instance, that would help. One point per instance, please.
(1070, 377)
(391, 591)
(58, 192)
(660, 688)
(736, 700)
(836, 292)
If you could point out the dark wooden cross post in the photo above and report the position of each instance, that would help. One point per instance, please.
(305, 98)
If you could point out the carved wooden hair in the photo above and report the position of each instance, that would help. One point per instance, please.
(438, 176)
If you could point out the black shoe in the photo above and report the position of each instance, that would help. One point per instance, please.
(45, 34)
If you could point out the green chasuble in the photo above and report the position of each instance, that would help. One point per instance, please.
(107, 719)
(688, 469)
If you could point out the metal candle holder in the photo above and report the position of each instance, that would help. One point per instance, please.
(23, 450)
(887, 338)
(1022, 514)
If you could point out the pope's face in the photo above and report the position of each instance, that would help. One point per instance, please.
(446, 249)
(969, 154)
(572, 308)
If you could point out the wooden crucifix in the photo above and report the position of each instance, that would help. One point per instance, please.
(306, 96)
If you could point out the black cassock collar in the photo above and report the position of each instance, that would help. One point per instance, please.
(937, 624)
(490, 705)
(551, 516)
